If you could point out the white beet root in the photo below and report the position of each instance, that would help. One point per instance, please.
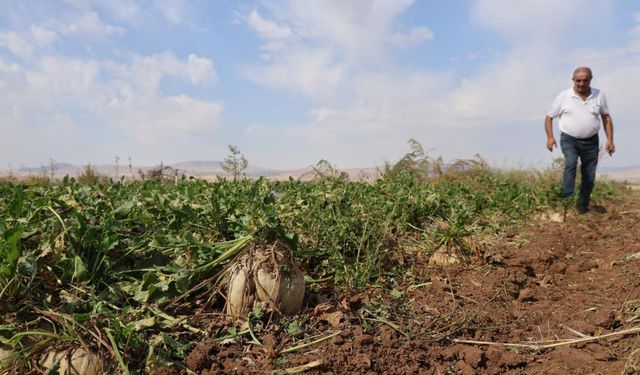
(6, 358)
(268, 275)
(73, 362)
(282, 289)
(240, 296)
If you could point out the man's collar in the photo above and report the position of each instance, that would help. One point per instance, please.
(574, 94)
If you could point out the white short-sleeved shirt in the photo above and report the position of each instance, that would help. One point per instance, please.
(579, 118)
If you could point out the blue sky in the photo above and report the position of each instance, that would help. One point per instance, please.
(293, 82)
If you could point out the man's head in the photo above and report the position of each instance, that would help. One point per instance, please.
(582, 80)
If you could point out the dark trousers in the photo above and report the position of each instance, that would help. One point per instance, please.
(587, 150)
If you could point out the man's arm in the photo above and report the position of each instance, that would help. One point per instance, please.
(608, 130)
(548, 127)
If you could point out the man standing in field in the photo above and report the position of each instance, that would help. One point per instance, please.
(579, 111)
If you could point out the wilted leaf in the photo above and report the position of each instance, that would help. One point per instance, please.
(145, 323)
(80, 272)
(328, 313)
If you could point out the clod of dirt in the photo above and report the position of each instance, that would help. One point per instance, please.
(558, 267)
(166, 371)
(269, 343)
(512, 360)
(526, 294)
(587, 265)
(201, 357)
(472, 356)
(494, 354)
(606, 319)
(362, 361)
(338, 340)
(465, 368)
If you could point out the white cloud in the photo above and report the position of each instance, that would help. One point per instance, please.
(417, 35)
(66, 100)
(55, 78)
(359, 28)
(256, 129)
(90, 22)
(146, 72)
(16, 44)
(385, 104)
(123, 10)
(162, 118)
(200, 69)
(23, 45)
(42, 36)
(311, 72)
(542, 21)
(313, 47)
(172, 10)
(268, 29)
(635, 31)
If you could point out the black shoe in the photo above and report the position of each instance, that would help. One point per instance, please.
(582, 210)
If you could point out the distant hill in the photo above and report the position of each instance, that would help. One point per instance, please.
(629, 168)
(629, 174)
(200, 169)
(37, 170)
(212, 169)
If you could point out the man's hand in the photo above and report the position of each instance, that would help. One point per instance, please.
(551, 143)
(611, 148)
(548, 128)
(608, 130)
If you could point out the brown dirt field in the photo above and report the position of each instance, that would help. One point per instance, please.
(544, 283)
